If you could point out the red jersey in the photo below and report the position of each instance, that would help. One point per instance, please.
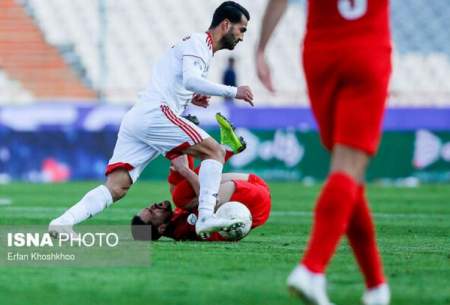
(182, 227)
(254, 194)
(337, 23)
(174, 177)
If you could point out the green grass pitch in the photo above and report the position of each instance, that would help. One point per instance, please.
(413, 226)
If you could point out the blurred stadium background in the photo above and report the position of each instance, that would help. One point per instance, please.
(69, 70)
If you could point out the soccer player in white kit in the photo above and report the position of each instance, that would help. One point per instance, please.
(154, 125)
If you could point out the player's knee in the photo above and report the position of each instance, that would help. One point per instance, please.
(118, 183)
(215, 151)
(118, 191)
(351, 161)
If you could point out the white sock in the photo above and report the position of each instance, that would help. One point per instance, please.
(209, 177)
(91, 204)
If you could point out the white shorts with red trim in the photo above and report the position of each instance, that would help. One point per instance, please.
(146, 133)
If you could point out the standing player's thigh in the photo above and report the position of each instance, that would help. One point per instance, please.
(132, 154)
(321, 79)
(171, 134)
(361, 101)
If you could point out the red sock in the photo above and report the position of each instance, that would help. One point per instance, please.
(228, 154)
(331, 217)
(361, 235)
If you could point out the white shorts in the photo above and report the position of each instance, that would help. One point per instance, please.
(145, 133)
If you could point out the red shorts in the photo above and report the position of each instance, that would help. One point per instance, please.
(255, 195)
(348, 89)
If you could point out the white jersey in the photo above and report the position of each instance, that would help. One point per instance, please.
(190, 58)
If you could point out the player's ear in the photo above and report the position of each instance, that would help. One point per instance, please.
(226, 25)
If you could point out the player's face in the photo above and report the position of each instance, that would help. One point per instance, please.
(235, 34)
(156, 214)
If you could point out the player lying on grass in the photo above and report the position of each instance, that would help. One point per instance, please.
(159, 220)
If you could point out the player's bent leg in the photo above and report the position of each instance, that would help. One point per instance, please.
(118, 183)
(362, 239)
(334, 206)
(225, 192)
(360, 230)
(350, 161)
(207, 149)
(210, 174)
(333, 210)
(95, 201)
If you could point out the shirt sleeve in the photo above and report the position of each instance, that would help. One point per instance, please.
(193, 46)
(195, 58)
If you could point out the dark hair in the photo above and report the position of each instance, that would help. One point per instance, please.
(229, 10)
(143, 231)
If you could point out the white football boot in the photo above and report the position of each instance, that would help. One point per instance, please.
(379, 295)
(309, 286)
(57, 227)
(206, 225)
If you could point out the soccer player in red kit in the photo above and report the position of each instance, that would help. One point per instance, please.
(347, 65)
(159, 220)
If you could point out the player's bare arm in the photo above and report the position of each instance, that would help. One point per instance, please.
(226, 190)
(274, 11)
(180, 164)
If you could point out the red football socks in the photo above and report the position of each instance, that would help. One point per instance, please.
(361, 235)
(228, 155)
(331, 217)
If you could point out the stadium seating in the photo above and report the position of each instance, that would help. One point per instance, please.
(112, 44)
(11, 90)
(26, 57)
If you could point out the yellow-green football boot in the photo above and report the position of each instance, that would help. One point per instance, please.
(227, 135)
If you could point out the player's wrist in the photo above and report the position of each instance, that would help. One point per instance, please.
(231, 91)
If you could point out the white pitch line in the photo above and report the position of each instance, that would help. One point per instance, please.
(378, 215)
(5, 201)
(33, 210)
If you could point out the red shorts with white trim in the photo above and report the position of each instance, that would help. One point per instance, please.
(145, 134)
(348, 90)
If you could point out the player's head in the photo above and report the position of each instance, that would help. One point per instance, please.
(232, 19)
(151, 222)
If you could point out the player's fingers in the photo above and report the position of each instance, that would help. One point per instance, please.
(267, 81)
(249, 99)
(264, 74)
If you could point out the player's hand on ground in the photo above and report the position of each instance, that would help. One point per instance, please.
(245, 93)
(263, 71)
(200, 100)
